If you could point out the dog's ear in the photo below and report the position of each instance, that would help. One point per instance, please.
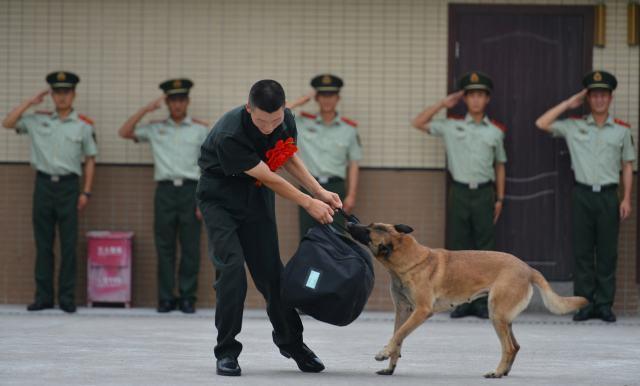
(385, 250)
(403, 228)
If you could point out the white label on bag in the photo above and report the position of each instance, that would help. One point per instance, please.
(312, 280)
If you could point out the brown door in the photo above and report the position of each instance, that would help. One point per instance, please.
(536, 56)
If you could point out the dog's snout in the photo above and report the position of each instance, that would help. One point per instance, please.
(358, 232)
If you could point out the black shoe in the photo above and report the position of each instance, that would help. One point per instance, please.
(583, 314)
(228, 366)
(38, 306)
(187, 306)
(69, 308)
(166, 306)
(462, 310)
(607, 315)
(306, 360)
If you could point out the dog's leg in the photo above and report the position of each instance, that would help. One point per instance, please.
(403, 310)
(516, 348)
(508, 350)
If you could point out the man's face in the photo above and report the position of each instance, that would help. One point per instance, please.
(177, 105)
(476, 101)
(63, 98)
(327, 101)
(264, 121)
(599, 101)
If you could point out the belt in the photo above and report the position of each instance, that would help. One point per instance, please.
(597, 188)
(473, 185)
(57, 178)
(326, 180)
(178, 182)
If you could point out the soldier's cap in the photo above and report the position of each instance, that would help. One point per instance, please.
(176, 86)
(600, 80)
(62, 79)
(327, 83)
(475, 80)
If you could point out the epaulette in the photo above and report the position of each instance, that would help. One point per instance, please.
(577, 117)
(308, 115)
(85, 119)
(153, 121)
(622, 123)
(455, 116)
(500, 125)
(44, 112)
(349, 121)
(200, 121)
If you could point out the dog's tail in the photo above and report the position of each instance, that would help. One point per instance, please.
(555, 303)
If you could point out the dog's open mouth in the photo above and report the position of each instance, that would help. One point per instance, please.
(359, 232)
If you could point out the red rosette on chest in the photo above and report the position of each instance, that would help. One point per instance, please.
(280, 154)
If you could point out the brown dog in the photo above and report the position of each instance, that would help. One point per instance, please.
(426, 281)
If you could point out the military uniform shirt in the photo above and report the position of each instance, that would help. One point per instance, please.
(58, 146)
(472, 148)
(327, 149)
(596, 152)
(175, 147)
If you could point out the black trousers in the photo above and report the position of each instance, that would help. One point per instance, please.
(241, 228)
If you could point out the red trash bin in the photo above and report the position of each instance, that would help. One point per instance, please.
(109, 267)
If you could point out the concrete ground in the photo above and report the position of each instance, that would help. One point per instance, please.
(105, 346)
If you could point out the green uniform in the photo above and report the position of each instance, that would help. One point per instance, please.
(58, 148)
(326, 150)
(239, 216)
(473, 149)
(176, 148)
(596, 157)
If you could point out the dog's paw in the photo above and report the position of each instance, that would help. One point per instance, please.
(493, 374)
(387, 371)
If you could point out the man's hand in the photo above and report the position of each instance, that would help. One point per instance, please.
(452, 99)
(198, 214)
(576, 100)
(155, 104)
(83, 200)
(625, 209)
(39, 97)
(302, 100)
(497, 209)
(349, 203)
(330, 198)
(320, 211)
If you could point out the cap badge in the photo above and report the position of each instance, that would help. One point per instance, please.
(474, 78)
(61, 76)
(597, 77)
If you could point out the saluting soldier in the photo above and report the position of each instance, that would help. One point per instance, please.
(175, 142)
(61, 141)
(475, 158)
(239, 160)
(600, 147)
(329, 145)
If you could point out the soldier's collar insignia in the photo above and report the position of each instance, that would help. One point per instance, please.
(474, 78)
(597, 76)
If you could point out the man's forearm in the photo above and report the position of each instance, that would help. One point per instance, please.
(546, 120)
(421, 120)
(89, 170)
(128, 128)
(296, 168)
(284, 189)
(14, 115)
(500, 180)
(627, 180)
(352, 178)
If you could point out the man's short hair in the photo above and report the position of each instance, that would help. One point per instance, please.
(267, 95)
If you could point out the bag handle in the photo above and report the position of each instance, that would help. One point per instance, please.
(349, 217)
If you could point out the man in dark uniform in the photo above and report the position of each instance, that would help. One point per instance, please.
(475, 159)
(600, 148)
(60, 141)
(238, 161)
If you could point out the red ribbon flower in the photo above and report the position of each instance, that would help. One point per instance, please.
(280, 154)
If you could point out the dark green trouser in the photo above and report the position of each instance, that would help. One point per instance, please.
(307, 222)
(55, 202)
(241, 228)
(470, 221)
(175, 215)
(596, 220)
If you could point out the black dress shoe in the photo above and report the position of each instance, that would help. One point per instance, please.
(306, 360)
(583, 314)
(462, 310)
(38, 306)
(69, 308)
(166, 306)
(228, 366)
(607, 315)
(187, 307)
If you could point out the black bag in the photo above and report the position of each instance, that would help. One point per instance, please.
(330, 277)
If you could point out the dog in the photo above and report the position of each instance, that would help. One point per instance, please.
(425, 281)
